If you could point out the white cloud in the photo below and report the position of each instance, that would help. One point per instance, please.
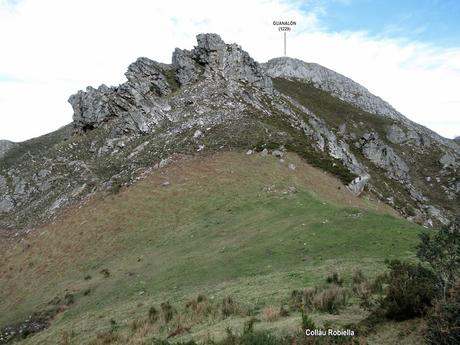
(52, 48)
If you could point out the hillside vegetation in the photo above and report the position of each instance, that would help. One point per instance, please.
(225, 226)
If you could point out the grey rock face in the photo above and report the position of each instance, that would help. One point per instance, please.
(134, 105)
(396, 135)
(3, 183)
(229, 61)
(6, 204)
(91, 107)
(146, 76)
(437, 214)
(384, 157)
(447, 160)
(187, 69)
(357, 185)
(5, 146)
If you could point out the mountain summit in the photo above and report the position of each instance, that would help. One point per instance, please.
(215, 97)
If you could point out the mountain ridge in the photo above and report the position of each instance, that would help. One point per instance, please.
(216, 97)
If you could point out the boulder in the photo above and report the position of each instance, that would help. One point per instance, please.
(357, 185)
(396, 135)
(277, 153)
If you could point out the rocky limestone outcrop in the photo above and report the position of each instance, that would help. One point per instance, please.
(384, 157)
(396, 135)
(135, 106)
(139, 105)
(213, 58)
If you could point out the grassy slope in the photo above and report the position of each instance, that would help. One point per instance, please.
(225, 225)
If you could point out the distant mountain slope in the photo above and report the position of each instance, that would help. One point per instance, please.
(334, 83)
(5, 146)
(346, 90)
(216, 97)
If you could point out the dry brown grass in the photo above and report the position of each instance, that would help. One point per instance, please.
(271, 313)
(309, 295)
(330, 299)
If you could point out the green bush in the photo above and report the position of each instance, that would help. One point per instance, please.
(411, 291)
(441, 251)
(443, 324)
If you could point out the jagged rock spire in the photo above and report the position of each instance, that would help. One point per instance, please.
(137, 104)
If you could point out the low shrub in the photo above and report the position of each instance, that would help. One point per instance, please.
(296, 301)
(284, 312)
(167, 312)
(358, 277)
(335, 279)
(248, 326)
(308, 297)
(363, 291)
(330, 300)
(410, 293)
(229, 307)
(153, 315)
(200, 308)
(307, 322)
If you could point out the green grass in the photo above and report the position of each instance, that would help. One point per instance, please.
(226, 225)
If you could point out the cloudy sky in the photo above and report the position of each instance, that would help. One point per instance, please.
(407, 52)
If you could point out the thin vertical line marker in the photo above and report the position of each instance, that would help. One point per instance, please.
(285, 43)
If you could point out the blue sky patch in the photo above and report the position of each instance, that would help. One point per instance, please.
(429, 21)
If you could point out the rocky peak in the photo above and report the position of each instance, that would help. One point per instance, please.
(139, 104)
(213, 58)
